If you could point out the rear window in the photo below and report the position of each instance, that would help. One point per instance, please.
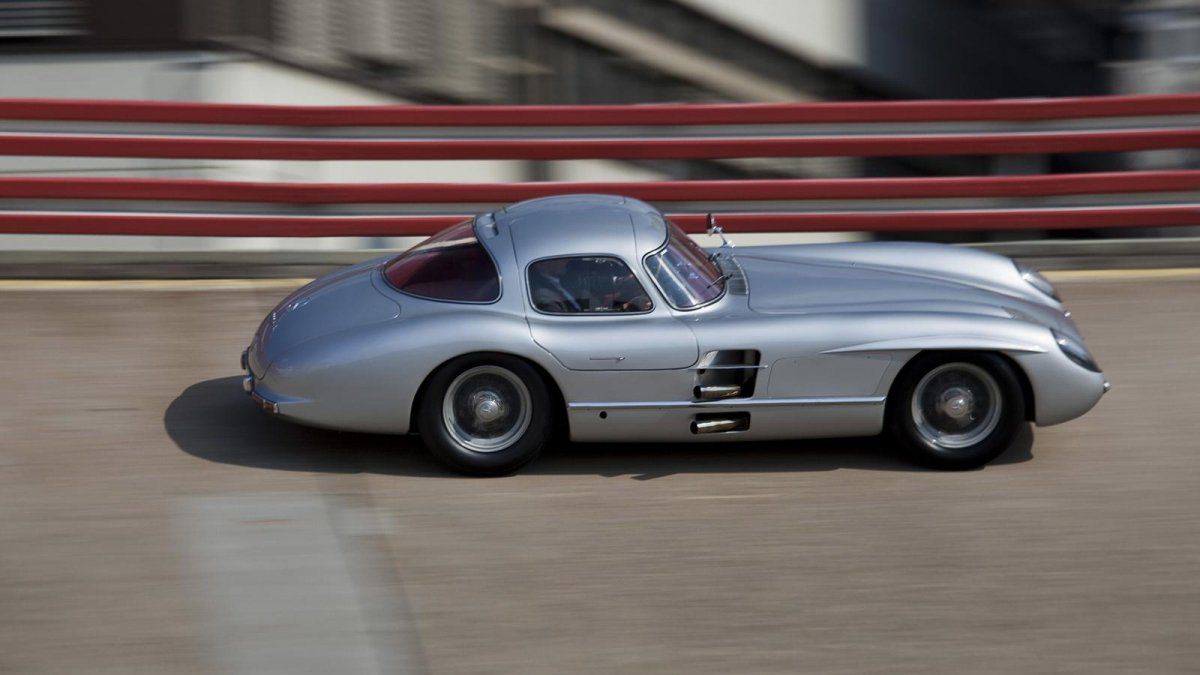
(451, 265)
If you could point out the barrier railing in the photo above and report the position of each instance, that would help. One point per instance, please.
(1020, 143)
(221, 131)
(668, 114)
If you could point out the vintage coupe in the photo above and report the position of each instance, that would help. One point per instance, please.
(596, 316)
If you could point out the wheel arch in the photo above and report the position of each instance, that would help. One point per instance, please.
(1022, 376)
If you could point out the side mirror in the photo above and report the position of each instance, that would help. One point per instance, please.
(714, 228)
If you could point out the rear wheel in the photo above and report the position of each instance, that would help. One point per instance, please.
(486, 414)
(956, 411)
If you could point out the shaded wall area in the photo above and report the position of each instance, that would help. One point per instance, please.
(957, 49)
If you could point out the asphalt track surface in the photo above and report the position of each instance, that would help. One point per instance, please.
(152, 521)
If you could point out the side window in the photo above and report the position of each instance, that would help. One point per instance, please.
(586, 285)
(451, 265)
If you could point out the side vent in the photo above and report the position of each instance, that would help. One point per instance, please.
(726, 373)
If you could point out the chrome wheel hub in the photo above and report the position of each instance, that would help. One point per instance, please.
(956, 405)
(486, 408)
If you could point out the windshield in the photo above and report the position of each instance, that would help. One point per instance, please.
(684, 272)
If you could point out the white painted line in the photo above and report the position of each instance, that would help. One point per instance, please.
(1164, 274)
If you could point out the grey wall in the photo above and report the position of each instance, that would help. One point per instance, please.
(961, 49)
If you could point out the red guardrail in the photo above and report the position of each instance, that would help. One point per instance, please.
(1020, 110)
(217, 225)
(661, 131)
(158, 189)
(159, 147)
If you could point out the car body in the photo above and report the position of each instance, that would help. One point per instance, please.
(795, 341)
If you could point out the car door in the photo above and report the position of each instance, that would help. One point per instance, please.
(593, 313)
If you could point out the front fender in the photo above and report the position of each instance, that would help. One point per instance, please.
(1062, 390)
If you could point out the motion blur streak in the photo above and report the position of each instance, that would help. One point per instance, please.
(165, 510)
(260, 557)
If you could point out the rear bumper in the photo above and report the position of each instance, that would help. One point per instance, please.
(248, 386)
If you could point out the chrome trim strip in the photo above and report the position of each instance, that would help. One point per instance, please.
(264, 403)
(733, 367)
(937, 342)
(727, 403)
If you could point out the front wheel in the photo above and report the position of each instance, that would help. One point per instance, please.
(956, 411)
(486, 414)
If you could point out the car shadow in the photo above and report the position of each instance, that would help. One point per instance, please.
(215, 421)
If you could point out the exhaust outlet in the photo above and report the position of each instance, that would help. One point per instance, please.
(714, 425)
(714, 392)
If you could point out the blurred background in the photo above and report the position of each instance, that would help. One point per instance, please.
(347, 52)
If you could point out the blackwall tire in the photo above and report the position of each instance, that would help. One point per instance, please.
(486, 414)
(955, 411)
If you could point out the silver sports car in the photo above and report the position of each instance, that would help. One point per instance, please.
(597, 317)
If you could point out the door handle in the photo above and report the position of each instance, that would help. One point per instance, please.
(618, 359)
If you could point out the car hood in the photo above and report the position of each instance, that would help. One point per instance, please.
(341, 300)
(892, 276)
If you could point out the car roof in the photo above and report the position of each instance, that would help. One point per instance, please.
(581, 225)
